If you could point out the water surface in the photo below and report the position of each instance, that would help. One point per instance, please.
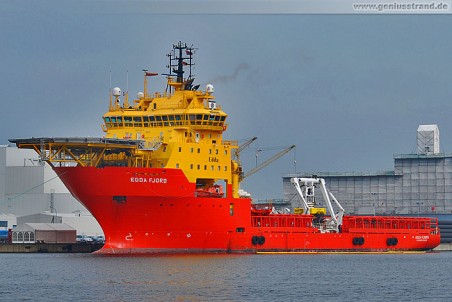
(331, 277)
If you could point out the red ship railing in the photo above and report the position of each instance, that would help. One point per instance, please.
(350, 223)
(391, 222)
(286, 221)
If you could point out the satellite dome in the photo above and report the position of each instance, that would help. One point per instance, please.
(140, 95)
(116, 91)
(209, 88)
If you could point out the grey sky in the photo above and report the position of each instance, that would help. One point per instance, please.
(348, 90)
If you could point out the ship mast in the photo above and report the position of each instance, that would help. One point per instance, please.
(177, 61)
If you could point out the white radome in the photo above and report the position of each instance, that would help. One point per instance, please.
(116, 91)
(209, 88)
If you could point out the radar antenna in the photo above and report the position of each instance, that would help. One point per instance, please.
(181, 56)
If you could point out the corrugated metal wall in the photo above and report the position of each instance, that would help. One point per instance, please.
(2, 174)
(419, 184)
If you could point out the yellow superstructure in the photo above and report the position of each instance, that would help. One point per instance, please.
(181, 128)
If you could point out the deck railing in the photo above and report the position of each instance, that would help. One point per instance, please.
(349, 223)
(286, 221)
(390, 222)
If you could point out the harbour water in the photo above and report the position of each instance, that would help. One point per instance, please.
(319, 277)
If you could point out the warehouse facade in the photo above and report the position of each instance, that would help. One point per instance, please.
(30, 189)
(420, 183)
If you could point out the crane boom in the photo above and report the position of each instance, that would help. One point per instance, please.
(243, 146)
(267, 162)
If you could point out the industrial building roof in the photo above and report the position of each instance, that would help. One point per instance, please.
(332, 174)
(436, 155)
(44, 227)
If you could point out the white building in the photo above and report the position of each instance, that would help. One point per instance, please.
(28, 186)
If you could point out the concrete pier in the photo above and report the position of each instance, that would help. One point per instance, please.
(49, 247)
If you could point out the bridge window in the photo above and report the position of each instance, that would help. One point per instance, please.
(217, 119)
(205, 119)
(178, 119)
(137, 121)
(107, 122)
(192, 119)
(199, 119)
(116, 121)
(171, 119)
(165, 120)
(128, 121)
(158, 118)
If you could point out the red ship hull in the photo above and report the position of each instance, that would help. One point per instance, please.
(150, 210)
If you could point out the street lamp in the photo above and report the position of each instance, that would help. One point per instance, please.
(53, 217)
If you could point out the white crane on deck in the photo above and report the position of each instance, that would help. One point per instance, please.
(305, 188)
